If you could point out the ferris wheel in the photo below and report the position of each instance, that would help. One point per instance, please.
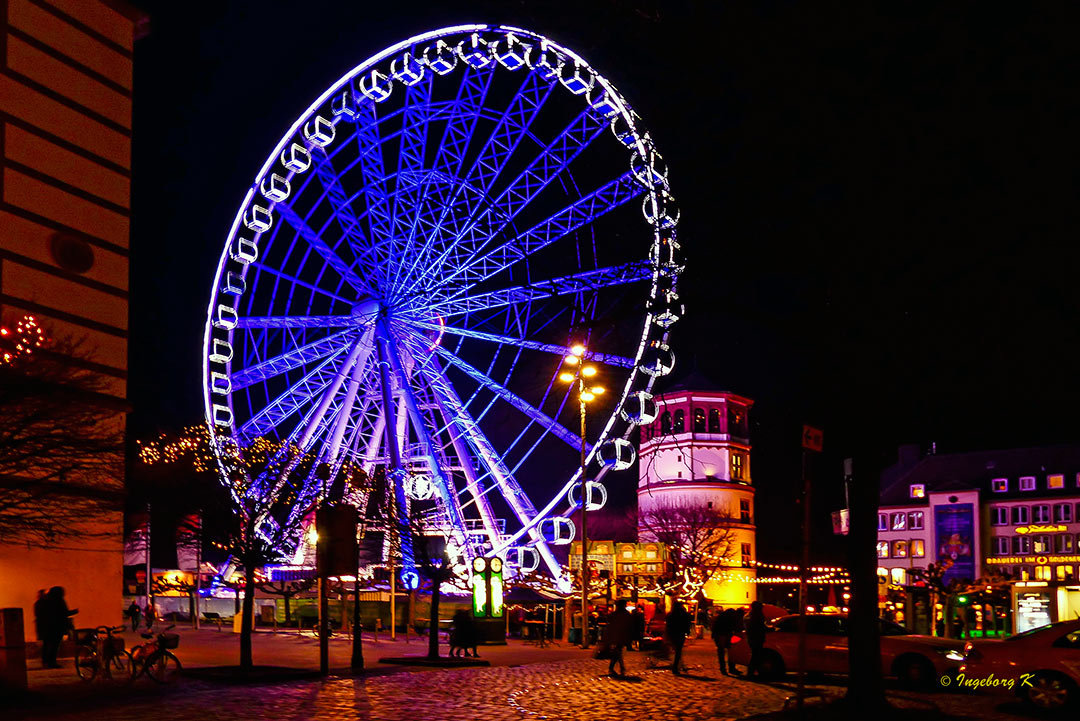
(411, 266)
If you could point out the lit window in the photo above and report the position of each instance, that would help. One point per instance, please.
(746, 559)
(650, 553)
(899, 576)
(1027, 483)
(918, 490)
(999, 485)
(899, 549)
(915, 520)
(1001, 545)
(917, 548)
(1020, 515)
(628, 568)
(665, 422)
(1042, 544)
(1063, 513)
(736, 467)
(899, 521)
(628, 552)
(1065, 573)
(680, 422)
(1065, 543)
(883, 574)
(714, 420)
(999, 516)
(744, 510)
(699, 420)
(882, 549)
(1042, 573)
(1040, 513)
(1055, 481)
(1021, 544)
(601, 548)
(883, 521)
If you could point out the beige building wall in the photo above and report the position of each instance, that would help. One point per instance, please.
(65, 184)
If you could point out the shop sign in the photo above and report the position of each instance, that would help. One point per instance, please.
(1041, 529)
(1040, 560)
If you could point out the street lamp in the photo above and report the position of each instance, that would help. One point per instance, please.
(581, 371)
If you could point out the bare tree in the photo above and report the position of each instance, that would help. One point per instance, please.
(700, 541)
(61, 439)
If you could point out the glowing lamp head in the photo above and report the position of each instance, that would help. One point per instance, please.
(587, 396)
(578, 349)
(588, 371)
(571, 360)
(566, 377)
(597, 390)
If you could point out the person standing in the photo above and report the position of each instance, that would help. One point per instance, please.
(133, 612)
(618, 633)
(56, 620)
(41, 606)
(755, 636)
(677, 626)
(150, 614)
(724, 626)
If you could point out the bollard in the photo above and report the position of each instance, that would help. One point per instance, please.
(12, 651)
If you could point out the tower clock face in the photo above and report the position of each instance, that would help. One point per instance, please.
(496, 565)
(479, 563)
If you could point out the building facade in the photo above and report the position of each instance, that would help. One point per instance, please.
(1005, 515)
(697, 453)
(65, 185)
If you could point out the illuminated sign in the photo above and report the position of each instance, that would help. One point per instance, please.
(487, 583)
(1040, 560)
(1041, 529)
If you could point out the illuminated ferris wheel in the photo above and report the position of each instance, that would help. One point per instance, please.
(410, 267)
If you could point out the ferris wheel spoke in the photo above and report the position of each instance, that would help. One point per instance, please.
(358, 356)
(583, 211)
(339, 202)
(296, 281)
(294, 358)
(591, 280)
(345, 413)
(297, 321)
(460, 126)
(319, 245)
(560, 350)
(552, 161)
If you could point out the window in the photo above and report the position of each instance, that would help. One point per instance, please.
(882, 549)
(883, 521)
(736, 466)
(650, 567)
(899, 521)
(679, 426)
(1027, 483)
(1042, 573)
(628, 568)
(1020, 515)
(915, 520)
(1063, 513)
(899, 549)
(899, 577)
(628, 552)
(1001, 545)
(999, 485)
(1042, 544)
(1040, 513)
(1069, 640)
(1065, 543)
(665, 423)
(823, 625)
(999, 516)
(1021, 544)
(1065, 573)
(714, 420)
(746, 560)
(1057, 480)
(699, 420)
(736, 421)
(650, 552)
(917, 548)
(744, 510)
(917, 490)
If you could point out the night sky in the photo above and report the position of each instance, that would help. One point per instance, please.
(878, 204)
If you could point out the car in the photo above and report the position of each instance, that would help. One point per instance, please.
(915, 659)
(1044, 663)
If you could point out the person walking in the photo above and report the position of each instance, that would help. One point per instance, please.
(55, 622)
(150, 615)
(725, 624)
(133, 612)
(617, 636)
(41, 606)
(755, 636)
(677, 626)
(459, 629)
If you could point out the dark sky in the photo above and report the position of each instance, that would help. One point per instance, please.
(878, 203)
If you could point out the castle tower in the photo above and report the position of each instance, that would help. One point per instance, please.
(697, 453)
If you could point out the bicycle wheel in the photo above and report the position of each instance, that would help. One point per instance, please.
(163, 667)
(86, 663)
(121, 666)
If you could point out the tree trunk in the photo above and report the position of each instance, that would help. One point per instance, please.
(357, 661)
(433, 628)
(249, 610)
(866, 690)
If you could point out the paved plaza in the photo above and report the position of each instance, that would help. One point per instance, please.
(524, 682)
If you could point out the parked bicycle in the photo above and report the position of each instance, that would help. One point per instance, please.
(97, 650)
(155, 659)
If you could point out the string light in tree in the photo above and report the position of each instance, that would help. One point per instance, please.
(15, 344)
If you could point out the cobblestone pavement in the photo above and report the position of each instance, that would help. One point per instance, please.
(568, 689)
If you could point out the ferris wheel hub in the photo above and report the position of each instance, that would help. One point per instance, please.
(366, 310)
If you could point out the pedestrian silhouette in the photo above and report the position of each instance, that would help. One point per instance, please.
(133, 612)
(617, 635)
(677, 626)
(55, 621)
(755, 636)
(726, 624)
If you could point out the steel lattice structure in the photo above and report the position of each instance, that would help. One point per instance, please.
(413, 261)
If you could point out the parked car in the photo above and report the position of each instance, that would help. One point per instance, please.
(916, 660)
(1050, 654)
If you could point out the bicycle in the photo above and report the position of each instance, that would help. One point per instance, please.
(155, 659)
(98, 650)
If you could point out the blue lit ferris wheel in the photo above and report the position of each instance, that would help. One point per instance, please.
(410, 267)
